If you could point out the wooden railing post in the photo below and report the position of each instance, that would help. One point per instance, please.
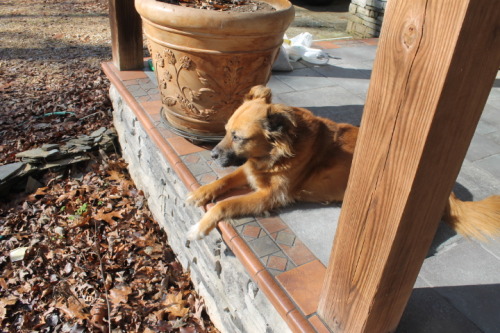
(126, 35)
(435, 66)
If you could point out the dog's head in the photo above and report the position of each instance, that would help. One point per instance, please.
(258, 130)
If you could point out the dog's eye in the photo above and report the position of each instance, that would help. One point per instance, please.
(236, 138)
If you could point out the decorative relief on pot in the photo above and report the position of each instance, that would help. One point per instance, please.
(186, 85)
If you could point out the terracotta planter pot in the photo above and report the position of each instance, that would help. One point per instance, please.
(206, 61)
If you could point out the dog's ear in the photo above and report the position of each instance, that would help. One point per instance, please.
(279, 127)
(259, 92)
(279, 119)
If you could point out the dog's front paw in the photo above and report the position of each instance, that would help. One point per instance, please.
(195, 232)
(200, 197)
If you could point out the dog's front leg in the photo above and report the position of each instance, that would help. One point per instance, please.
(250, 204)
(208, 193)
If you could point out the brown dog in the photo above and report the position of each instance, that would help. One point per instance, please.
(287, 154)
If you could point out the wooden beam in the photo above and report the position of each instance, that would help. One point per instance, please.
(126, 35)
(435, 66)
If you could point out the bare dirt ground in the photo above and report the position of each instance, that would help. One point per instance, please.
(90, 257)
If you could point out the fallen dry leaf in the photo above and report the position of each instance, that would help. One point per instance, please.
(73, 308)
(108, 217)
(175, 305)
(120, 294)
(5, 302)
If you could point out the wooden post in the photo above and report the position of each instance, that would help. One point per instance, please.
(126, 35)
(435, 66)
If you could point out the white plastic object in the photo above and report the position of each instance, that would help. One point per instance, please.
(304, 39)
(315, 56)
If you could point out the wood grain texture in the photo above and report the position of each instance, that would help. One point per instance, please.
(126, 35)
(435, 65)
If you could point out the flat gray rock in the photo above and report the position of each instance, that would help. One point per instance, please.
(8, 170)
(37, 153)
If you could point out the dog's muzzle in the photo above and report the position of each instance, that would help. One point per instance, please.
(227, 158)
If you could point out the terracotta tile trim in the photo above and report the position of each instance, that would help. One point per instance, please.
(285, 307)
(298, 322)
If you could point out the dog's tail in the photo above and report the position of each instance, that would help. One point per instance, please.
(476, 219)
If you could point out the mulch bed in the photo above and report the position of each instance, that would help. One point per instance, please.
(81, 253)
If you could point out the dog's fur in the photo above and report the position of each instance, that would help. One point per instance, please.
(287, 154)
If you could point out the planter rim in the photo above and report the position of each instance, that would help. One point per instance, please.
(203, 20)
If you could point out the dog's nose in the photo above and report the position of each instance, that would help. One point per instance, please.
(215, 153)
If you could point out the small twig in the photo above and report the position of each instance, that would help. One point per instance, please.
(98, 250)
(90, 115)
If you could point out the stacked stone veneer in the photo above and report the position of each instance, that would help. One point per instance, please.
(367, 17)
(234, 301)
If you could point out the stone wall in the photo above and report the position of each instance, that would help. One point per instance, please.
(234, 301)
(367, 17)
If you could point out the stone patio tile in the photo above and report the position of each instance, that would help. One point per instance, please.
(490, 163)
(206, 154)
(481, 147)
(242, 220)
(494, 136)
(490, 119)
(474, 183)
(147, 84)
(263, 246)
(285, 237)
(220, 171)
(196, 164)
(469, 278)
(272, 224)
(484, 127)
(191, 159)
(152, 107)
(303, 79)
(299, 253)
(183, 146)
(143, 99)
(298, 64)
(136, 90)
(251, 231)
(277, 262)
(354, 55)
(332, 96)
(342, 71)
(428, 312)
(206, 178)
(304, 284)
(315, 225)
(277, 86)
(494, 96)
(492, 246)
(165, 132)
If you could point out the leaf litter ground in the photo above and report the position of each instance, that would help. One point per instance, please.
(93, 258)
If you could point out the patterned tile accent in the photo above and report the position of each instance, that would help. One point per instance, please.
(272, 224)
(277, 262)
(251, 231)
